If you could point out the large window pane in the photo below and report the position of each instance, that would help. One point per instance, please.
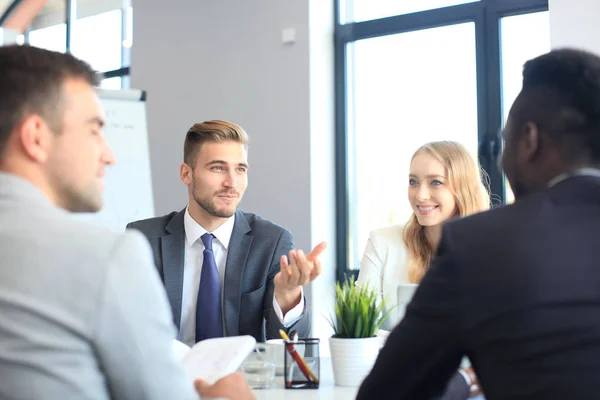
(98, 39)
(48, 29)
(97, 34)
(50, 38)
(364, 10)
(404, 90)
(111, 83)
(523, 37)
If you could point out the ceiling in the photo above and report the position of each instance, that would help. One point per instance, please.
(49, 7)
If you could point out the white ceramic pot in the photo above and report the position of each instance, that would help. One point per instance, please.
(353, 359)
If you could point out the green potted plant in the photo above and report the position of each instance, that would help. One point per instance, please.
(359, 313)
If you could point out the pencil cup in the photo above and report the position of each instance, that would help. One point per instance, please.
(301, 364)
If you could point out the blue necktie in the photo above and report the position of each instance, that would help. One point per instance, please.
(209, 323)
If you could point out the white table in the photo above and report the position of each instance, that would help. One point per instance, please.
(326, 391)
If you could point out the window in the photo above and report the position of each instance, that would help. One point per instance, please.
(111, 83)
(421, 74)
(50, 38)
(522, 38)
(399, 121)
(102, 51)
(100, 35)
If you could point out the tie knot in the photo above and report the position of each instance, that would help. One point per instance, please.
(207, 239)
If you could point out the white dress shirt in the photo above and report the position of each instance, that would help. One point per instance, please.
(384, 266)
(192, 267)
(578, 172)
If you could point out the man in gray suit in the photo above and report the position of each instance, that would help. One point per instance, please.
(249, 287)
(83, 313)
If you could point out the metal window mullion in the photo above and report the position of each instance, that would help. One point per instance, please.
(341, 148)
(409, 22)
(493, 101)
(26, 34)
(70, 18)
(482, 89)
(125, 51)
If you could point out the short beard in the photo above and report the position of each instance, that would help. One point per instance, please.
(210, 208)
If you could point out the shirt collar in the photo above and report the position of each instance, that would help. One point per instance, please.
(578, 172)
(193, 230)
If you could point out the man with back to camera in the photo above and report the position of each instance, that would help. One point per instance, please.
(84, 315)
(225, 271)
(517, 289)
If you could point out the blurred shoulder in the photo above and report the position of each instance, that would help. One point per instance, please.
(155, 224)
(97, 240)
(498, 224)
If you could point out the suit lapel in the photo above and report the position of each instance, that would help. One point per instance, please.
(173, 252)
(237, 256)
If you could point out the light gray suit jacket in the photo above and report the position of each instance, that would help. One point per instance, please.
(255, 249)
(82, 312)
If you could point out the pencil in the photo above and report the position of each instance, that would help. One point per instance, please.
(291, 370)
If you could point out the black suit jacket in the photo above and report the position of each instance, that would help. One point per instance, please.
(517, 289)
(253, 255)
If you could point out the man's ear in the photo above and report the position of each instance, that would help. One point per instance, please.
(530, 143)
(35, 138)
(186, 173)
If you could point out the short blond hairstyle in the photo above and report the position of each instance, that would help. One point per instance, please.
(210, 131)
(468, 183)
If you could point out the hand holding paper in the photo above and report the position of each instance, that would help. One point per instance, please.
(232, 387)
(213, 359)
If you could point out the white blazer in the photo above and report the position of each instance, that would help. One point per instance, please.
(384, 266)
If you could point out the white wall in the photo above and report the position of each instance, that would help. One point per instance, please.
(575, 23)
(224, 59)
(322, 173)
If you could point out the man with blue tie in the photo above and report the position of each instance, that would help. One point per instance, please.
(227, 272)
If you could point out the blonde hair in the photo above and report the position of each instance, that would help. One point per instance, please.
(210, 131)
(466, 181)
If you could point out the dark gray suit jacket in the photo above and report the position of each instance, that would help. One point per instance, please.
(517, 290)
(253, 255)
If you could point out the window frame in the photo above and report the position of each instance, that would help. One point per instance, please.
(486, 15)
(71, 16)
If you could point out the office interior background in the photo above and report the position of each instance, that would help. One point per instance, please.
(336, 95)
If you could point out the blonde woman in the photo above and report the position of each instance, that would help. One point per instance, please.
(444, 182)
